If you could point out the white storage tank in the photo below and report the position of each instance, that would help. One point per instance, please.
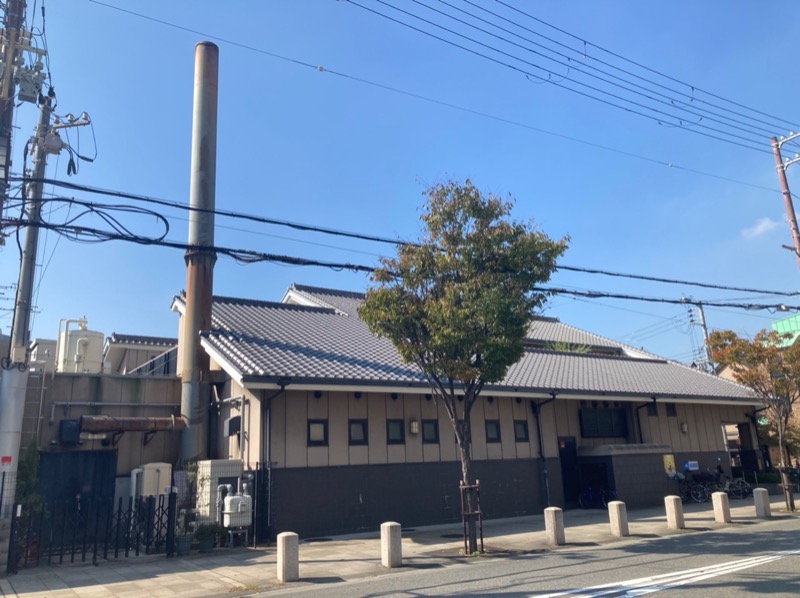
(79, 350)
(238, 511)
(154, 479)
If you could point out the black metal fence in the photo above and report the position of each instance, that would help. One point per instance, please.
(86, 529)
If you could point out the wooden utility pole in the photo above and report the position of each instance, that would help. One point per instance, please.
(787, 196)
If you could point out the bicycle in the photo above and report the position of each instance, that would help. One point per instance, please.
(737, 488)
(593, 497)
(688, 490)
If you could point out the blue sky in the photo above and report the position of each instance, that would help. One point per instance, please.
(324, 147)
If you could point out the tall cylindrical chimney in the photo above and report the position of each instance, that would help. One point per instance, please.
(200, 257)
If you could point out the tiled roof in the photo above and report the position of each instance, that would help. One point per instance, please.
(325, 342)
(134, 339)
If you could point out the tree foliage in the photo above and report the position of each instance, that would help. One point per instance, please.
(458, 304)
(769, 367)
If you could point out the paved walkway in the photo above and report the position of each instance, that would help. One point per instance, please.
(228, 572)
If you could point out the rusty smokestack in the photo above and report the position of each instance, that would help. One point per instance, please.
(200, 258)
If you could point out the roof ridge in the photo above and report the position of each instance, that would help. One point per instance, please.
(304, 288)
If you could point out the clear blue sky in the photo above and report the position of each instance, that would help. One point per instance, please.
(305, 145)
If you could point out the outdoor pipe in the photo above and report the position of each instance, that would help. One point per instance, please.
(104, 423)
(69, 404)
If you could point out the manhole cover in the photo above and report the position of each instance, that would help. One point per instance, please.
(452, 536)
(318, 540)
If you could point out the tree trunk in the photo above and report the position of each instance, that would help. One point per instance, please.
(470, 507)
(786, 483)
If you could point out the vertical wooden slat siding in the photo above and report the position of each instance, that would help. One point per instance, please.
(358, 409)
(278, 434)
(296, 430)
(506, 416)
(447, 438)
(338, 436)
(376, 406)
(318, 456)
(413, 441)
(395, 409)
(429, 410)
(480, 451)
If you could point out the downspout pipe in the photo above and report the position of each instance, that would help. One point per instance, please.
(200, 258)
(536, 407)
(283, 383)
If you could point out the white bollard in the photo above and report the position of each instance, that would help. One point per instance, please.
(761, 499)
(391, 545)
(674, 508)
(288, 557)
(554, 526)
(618, 515)
(722, 510)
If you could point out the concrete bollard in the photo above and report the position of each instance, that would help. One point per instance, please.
(391, 545)
(554, 526)
(722, 510)
(674, 508)
(618, 515)
(761, 499)
(288, 557)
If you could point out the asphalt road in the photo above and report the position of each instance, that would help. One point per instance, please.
(742, 560)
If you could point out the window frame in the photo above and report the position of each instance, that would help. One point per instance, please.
(494, 423)
(672, 410)
(364, 424)
(435, 424)
(316, 422)
(524, 424)
(401, 425)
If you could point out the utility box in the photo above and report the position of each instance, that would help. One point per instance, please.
(154, 480)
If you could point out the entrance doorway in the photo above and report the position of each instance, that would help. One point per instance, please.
(570, 474)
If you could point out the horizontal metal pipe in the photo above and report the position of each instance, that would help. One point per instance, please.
(104, 423)
(69, 404)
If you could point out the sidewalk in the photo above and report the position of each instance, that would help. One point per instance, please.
(232, 571)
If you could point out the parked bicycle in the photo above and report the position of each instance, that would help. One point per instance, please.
(736, 488)
(596, 497)
(690, 491)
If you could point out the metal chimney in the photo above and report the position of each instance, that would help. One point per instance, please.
(200, 258)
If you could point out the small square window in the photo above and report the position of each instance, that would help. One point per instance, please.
(652, 409)
(430, 431)
(395, 431)
(358, 432)
(492, 430)
(318, 432)
(521, 431)
(672, 410)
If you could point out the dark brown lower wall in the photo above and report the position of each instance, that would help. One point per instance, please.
(335, 500)
(640, 480)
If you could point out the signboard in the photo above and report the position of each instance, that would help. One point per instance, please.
(691, 466)
(669, 465)
(5, 460)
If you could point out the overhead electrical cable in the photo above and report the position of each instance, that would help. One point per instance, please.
(693, 88)
(679, 124)
(604, 75)
(373, 238)
(321, 69)
(248, 256)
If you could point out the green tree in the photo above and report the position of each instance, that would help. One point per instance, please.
(772, 370)
(458, 303)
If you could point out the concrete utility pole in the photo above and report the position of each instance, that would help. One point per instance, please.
(195, 389)
(781, 167)
(14, 377)
(15, 11)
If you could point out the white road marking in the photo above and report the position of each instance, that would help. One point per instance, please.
(656, 583)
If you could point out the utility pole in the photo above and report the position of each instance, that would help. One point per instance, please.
(14, 377)
(781, 167)
(12, 26)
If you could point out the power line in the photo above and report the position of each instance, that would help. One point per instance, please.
(321, 69)
(679, 124)
(373, 238)
(248, 256)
